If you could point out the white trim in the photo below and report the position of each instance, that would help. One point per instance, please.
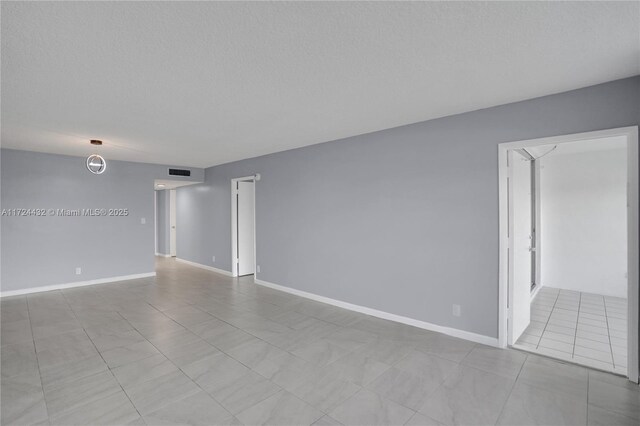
(208, 268)
(503, 241)
(155, 222)
(173, 222)
(234, 223)
(538, 227)
(633, 250)
(75, 284)
(477, 338)
(163, 255)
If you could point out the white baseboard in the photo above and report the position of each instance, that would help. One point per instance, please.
(208, 268)
(477, 338)
(75, 284)
(163, 255)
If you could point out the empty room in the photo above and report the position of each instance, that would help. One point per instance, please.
(319, 213)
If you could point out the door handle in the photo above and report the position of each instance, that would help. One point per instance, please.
(532, 249)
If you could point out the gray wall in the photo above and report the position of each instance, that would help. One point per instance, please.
(40, 251)
(162, 221)
(403, 220)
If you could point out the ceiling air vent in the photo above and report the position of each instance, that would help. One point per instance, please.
(179, 172)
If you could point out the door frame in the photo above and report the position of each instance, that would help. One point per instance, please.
(155, 222)
(535, 220)
(234, 223)
(173, 223)
(537, 226)
(633, 299)
(518, 155)
(535, 214)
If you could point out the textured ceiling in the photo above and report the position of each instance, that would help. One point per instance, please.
(199, 83)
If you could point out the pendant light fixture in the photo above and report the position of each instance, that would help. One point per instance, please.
(95, 163)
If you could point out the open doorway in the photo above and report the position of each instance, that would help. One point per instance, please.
(569, 248)
(172, 223)
(166, 215)
(243, 250)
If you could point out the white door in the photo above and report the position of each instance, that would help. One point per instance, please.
(172, 222)
(521, 229)
(246, 227)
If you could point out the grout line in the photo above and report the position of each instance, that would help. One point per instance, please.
(35, 352)
(513, 385)
(575, 335)
(142, 300)
(588, 390)
(175, 365)
(548, 319)
(292, 354)
(103, 360)
(606, 317)
(222, 352)
(571, 359)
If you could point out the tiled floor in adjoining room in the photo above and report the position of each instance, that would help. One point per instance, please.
(194, 347)
(589, 329)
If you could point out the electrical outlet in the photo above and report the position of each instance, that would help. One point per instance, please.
(456, 310)
(143, 220)
(213, 258)
(257, 268)
(78, 271)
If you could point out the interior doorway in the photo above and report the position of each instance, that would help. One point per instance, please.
(166, 215)
(172, 222)
(243, 250)
(522, 228)
(569, 248)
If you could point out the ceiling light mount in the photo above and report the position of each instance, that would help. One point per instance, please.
(96, 164)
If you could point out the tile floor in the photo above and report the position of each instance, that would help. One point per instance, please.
(194, 347)
(589, 329)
